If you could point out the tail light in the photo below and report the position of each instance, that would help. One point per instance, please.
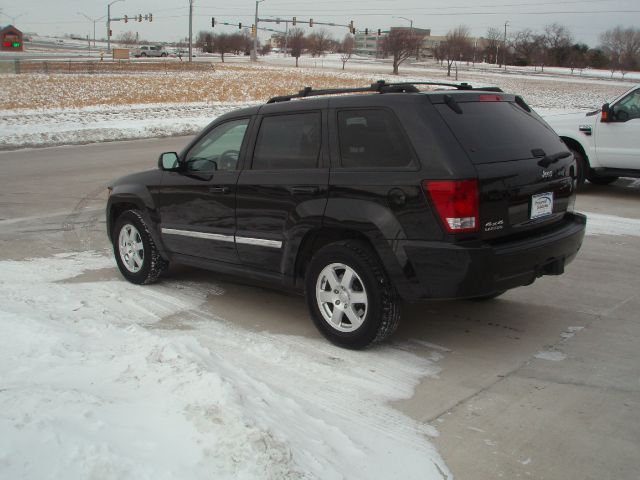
(457, 203)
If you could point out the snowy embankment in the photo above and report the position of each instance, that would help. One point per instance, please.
(103, 379)
(38, 128)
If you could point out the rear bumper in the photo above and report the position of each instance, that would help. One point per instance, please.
(435, 270)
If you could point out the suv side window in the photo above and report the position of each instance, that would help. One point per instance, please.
(289, 141)
(219, 149)
(372, 139)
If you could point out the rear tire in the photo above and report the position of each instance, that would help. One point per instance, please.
(350, 297)
(136, 253)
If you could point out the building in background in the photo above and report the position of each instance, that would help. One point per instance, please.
(11, 39)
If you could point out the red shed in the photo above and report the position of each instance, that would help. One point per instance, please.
(11, 39)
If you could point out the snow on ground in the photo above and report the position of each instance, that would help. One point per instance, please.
(602, 224)
(104, 379)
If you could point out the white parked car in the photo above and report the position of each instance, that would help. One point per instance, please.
(605, 142)
(150, 51)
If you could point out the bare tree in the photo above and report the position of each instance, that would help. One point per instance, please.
(296, 43)
(318, 42)
(346, 49)
(493, 41)
(524, 46)
(401, 43)
(266, 49)
(223, 43)
(577, 57)
(205, 40)
(541, 51)
(622, 46)
(558, 40)
(128, 39)
(456, 46)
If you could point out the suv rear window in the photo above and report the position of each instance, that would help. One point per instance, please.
(372, 139)
(288, 142)
(499, 131)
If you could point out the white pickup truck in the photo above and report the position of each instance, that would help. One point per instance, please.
(150, 51)
(605, 142)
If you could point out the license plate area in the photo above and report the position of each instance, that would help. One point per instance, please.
(541, 205)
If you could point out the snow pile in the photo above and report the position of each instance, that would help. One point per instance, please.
(103, 379)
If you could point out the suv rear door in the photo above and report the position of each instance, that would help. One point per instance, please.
(525, 172)
(282, 191)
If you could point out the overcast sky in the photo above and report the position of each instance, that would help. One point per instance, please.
(585, 18)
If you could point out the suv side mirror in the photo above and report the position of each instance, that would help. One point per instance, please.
(168, 161)
(606, 113)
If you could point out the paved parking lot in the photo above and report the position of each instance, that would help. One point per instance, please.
(542, 383)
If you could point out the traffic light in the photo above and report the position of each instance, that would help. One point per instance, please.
(213, 22)
(379, 32)
(351, 26)
(111, 33)
(126, 19)
(240, 26)
(366, 31)
(140, 17)
(151, 17)
(294, 21)
(253, 30)
(311, 22)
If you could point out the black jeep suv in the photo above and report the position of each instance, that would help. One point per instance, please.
(360, 201)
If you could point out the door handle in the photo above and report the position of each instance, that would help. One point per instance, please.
(223, 190)
(304, 190)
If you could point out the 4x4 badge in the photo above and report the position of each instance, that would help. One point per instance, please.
(497, 225)
(547, 173)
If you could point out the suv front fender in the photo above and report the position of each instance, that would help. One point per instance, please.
(136, 197)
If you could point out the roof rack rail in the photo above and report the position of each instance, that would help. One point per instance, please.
(378, 87)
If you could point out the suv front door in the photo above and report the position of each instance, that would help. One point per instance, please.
(283, 193)
(197, 203)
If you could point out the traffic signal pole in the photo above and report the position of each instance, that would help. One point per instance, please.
(254, 51)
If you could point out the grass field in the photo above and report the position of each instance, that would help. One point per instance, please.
(233, 83)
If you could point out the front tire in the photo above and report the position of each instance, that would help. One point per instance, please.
(349, 295)
(136, 253)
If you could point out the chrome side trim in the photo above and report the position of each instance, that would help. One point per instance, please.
(260, 242)
(207, 236)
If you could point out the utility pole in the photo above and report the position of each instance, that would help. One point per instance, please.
(190, 30)
(504, 45)
(109, 23)
(254, 51)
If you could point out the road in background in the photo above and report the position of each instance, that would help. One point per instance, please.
(541, 383)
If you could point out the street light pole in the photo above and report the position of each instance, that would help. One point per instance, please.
(94, 20)
(109, 24)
